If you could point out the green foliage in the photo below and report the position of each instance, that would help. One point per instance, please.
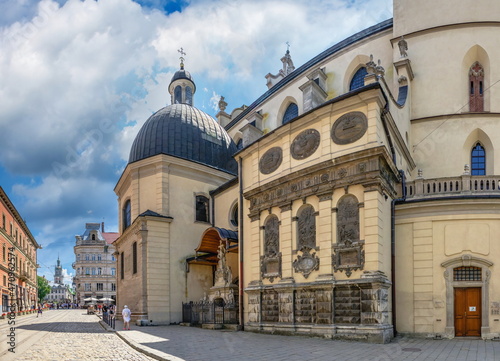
(43, 288)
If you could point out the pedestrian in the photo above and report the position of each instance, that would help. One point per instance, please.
(39, 311)
(126, 317)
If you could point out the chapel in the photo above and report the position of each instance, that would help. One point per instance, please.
(356, 198)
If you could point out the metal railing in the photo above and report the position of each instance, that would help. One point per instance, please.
(110, 320)
(203, 312)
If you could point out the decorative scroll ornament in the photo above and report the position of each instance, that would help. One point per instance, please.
(271, 160)
(306, 263)
(305, 144)
(349, 128)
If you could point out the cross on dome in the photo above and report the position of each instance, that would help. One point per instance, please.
(181, 51)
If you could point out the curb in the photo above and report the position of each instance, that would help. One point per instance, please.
(148, 351)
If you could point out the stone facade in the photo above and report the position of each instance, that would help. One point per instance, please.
(95, 266)
(18, 250)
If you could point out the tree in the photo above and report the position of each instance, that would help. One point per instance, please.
(43, 287)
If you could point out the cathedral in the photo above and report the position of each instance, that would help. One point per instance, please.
(356, 198)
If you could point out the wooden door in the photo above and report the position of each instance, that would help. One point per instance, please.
(468, 311)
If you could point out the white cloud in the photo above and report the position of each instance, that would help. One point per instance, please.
(78, 80)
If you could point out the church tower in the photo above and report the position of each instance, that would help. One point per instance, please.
(58, 276)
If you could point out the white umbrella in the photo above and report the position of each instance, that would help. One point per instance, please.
(106, 299)
(90, 299)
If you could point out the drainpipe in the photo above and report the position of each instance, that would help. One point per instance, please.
(240, 242)
(393, 246)
(393, 217)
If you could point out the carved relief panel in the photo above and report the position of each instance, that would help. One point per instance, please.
(305, 144)
(348, 251)
(270, 262)
(306, 241)
(306, 229)
(349, 128)
(271, 160)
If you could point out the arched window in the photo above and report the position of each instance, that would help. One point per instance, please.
(239, 145)
(202, 209)
(306, 229)
(93, 237)
(478, 160)
(358, 80)
(126, 215)
(476, 88)
(178, 95)
(234, 216)
(291, 112)
(189, 96)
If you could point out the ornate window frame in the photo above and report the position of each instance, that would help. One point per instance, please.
(467, 260)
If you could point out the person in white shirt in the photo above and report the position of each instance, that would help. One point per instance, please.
(126, 317)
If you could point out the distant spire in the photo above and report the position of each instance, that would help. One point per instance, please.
(181, 51)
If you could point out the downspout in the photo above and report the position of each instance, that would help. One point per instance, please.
(240, 242)
(393, 216)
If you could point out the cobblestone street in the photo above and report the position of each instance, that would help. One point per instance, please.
(72, 335)
(64, 335)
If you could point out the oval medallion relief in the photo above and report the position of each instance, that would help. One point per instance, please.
(271, 160)
(349, 128)
(305, 144)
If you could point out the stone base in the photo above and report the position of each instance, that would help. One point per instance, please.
(372, 334)
(212, 326)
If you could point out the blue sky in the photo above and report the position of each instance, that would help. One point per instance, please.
(79, 78)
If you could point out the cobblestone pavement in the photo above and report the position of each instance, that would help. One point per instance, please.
(67, 335)
(64, 335)
(177, 343)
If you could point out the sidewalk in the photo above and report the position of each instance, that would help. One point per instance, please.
(179, 343)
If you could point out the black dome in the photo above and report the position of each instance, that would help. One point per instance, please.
(183, 131)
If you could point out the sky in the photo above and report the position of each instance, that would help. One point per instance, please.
(78, 79)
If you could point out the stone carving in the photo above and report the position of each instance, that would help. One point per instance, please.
(222, 104)
(306, 263)
(370, 66)
(379, 69)
(271, 160)
(270, 306)
(349, 254)
(347, 219)
(347, 304)
(403, 47)
(254, 307)
(270, 262)
(322, 178)
(223, 275)
(349, 128)
(348, 257)
(286, 306)
(305, 144)
(306, 229)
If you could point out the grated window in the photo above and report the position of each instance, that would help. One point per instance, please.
(467, 274)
